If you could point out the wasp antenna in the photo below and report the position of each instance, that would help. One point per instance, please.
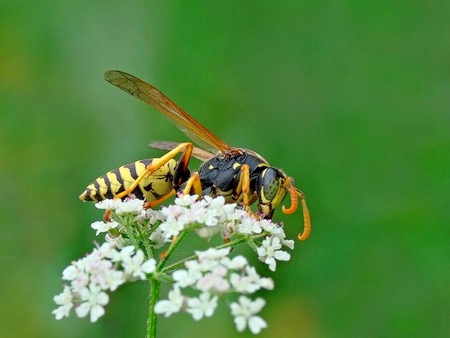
(306, 219)
(294, 200)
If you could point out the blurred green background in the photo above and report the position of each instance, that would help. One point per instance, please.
(351, 98)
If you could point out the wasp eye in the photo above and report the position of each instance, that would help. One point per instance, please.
(270, 184)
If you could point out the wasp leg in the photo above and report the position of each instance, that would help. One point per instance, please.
(182, 172)
(158, 163)
(107, 215)
(150, 205)
(244, 187)
(194, 186)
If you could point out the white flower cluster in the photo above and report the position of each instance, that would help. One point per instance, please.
(214, 274)
(207, 217)
(103, 269)
(132, 206)
(211, 216)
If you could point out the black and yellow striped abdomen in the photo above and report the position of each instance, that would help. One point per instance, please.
(152, 187)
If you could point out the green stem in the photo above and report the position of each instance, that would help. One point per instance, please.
(152, 316)
(145, 240)
(127, 223)
(171, 249)
(155, 285)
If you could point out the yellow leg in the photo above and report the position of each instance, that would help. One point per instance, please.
(158, 163)
(194, 186)
(244, 187)
(150, 205)
(245, 175)
(107, 215)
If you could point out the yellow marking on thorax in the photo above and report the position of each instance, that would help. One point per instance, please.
(236, 165)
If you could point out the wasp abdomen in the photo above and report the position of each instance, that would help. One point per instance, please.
(151, 187)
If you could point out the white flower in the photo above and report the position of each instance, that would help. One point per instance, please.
(254, 277)
(118, 256)
(272, 228)
(153, 216)
(101, 226)
(77, 275)
(111, 279)
(270, 251)
(204, 305)
(230, 211)
(289, 243)
(208, 231)
(214, 280)
(107, 248)
(244, 314)
(215, 203)
(185, 278)
(250, 282)
(185, 200)
(204, 265)
(236, 263)
(158, 239)
(136, 267)
(64, 299)
(171, 227)
(149, 266)
(131, 206)
(116, 241)
(242, 283)
(172, 305)
(100, 273)
(70, 273)
(212, 254)
(277, 231)
(205, 215)
(94, 300)
(207, 260)
(93, 269)
(109, 204)
(249, 225)
(128, 206)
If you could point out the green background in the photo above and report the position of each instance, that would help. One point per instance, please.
(349, 97)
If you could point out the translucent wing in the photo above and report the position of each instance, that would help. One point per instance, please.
(186, 123)
(198, 153)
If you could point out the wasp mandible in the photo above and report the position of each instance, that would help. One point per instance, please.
(239, 175)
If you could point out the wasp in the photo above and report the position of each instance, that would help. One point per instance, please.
(239, 175)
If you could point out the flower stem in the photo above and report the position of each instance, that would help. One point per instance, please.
(171, 249)
(127, 222)
(145, 240)
(155, 285)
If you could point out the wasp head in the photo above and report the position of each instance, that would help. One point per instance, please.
(272, 186)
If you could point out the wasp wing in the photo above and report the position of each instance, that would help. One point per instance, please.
(151, 95)
(198, 153)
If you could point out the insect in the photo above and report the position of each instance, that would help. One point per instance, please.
(239, 175)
